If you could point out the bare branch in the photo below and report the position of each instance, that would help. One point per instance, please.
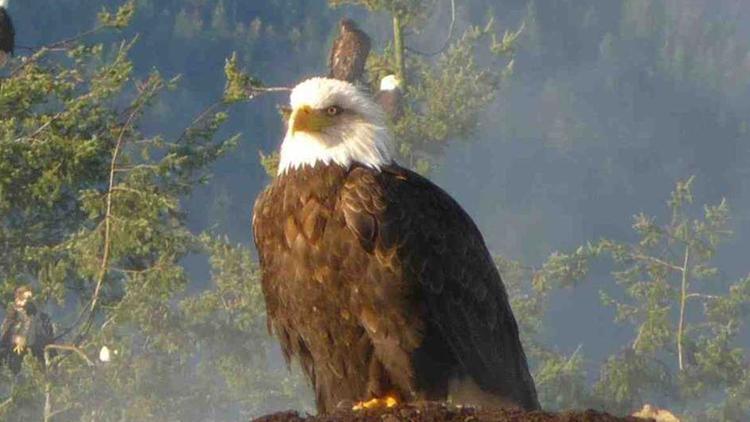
(701, 296)
(70, 348)
(62, 45)
(255, 91)
(683, 301)
(638, 337)
(447, 41)
(57, 412)
(657, 261)
(88, 311)
(575, 353)
(108, 213)
(197, 120)
(135, 167)
(6, 403)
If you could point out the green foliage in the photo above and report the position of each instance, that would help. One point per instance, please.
(93, 219)
(239, 83)
(229, 324)
(121, 18)
(560, 378)
(270, 163)
(685, 352)
(410, 10)
(446, 99)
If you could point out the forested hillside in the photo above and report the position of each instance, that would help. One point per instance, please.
(603, 148)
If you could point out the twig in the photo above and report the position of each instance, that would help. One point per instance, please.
(701, 296)
(398, 48)
(254, 91)
(657, 260)
(5, 403)
(108, 217)
(198, 119)
(135, 167)
(683, 300)
(638, 337)
(47, 387)
(447, 41)
(107, 221)
(39, 130)
(108, 214)
(70, 348)
(62, 45)
(251, 93)
(57, 412)
(127, 189)
(575, 353)
(48, 412)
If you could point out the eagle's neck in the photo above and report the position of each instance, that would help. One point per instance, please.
(322, 181)
(361, 143)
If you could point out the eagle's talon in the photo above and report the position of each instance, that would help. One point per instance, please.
(385, 402)
(19, 348)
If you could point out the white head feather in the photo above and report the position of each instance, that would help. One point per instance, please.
(104, 354)
(359, 136)
(4, 4)
(390, 83)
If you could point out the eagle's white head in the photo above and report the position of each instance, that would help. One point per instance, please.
(4, 4)
(333, 122)
(390, 83)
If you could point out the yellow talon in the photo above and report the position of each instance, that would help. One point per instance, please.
(20, 344)
(387, 402)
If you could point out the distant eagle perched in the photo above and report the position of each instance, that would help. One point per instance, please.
(375, 279)
(7, 33)
(25, 328)
(390, 97)
(349, 53)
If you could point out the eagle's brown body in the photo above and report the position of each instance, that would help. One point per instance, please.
(379, 283)
(349, 52)
(24, 323)
(7, 36)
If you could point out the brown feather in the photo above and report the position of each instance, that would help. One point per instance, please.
(349, 53)
(386, 285)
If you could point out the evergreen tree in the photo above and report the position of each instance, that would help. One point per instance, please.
(92, 219)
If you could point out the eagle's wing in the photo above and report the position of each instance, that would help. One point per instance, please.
(6, 330)
(348, 55)
(267, 252)
(40, 331)
(443, 258)
(261, 207)
(333, 57)
(7, 32)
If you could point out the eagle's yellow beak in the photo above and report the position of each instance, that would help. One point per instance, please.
(307, 119)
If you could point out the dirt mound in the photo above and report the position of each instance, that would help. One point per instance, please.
(440, 412)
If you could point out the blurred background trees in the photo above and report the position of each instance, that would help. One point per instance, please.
(127, 177)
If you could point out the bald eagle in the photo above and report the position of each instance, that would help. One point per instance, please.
(375, 279)
(7, 33)
(389, 97)
(24, 329)
(349, 52)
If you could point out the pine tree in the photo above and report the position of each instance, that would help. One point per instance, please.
(92, 219)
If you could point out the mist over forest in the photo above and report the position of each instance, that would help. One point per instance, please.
(612, 135)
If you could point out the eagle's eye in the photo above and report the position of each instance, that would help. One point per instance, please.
(334, 110)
